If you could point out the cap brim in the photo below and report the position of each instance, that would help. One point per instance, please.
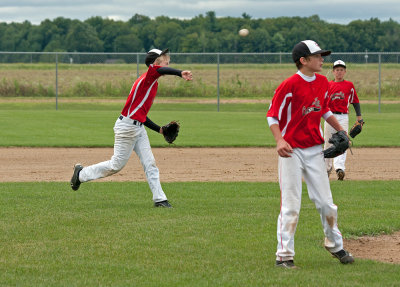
(164, 51)
(322, 53)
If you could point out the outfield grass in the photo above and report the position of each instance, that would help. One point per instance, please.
(91, 124)
(217, 234)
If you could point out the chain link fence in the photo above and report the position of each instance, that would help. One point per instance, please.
(217, 76)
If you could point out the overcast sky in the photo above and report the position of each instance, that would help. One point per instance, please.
(336, 11)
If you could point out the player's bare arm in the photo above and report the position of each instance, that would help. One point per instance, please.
(282, 147)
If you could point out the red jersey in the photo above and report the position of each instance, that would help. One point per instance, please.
(341, 95)
(299, 104)
(142, 95)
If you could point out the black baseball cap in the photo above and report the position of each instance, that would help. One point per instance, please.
(153, 54)
(307, 48)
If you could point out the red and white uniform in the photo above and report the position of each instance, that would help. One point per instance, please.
(130, 135)
(142, 95)
(341, 95)
(297, 107)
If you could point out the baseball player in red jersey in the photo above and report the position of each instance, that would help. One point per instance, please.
(294, 117)
(130, 134)
(341, 93)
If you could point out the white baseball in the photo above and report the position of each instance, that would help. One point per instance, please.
(243, 32)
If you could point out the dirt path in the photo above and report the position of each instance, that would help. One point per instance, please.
(185, 164)
(207, 164)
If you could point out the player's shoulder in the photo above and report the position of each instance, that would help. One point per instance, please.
(321, 81)
(348, 83)
(293, 79)
(288, 83)
(152, 71)
(321, 78)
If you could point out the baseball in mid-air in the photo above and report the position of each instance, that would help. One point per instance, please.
(243, 32)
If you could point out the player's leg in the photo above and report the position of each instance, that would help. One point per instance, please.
(125, 137)
(143, 150)
(328, 132)
(290, 184)
(320, 193)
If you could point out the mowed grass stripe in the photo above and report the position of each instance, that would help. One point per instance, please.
(217, 234)
(238, 125)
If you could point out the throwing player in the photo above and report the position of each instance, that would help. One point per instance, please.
(130, 134)
(294, 118)
(342, 93)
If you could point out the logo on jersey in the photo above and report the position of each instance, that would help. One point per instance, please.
(337, 96)
(315, 107)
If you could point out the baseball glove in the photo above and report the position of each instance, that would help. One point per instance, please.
(170, 131)
(340, 143)
(356, 129)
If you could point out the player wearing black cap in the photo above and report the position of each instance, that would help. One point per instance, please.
(294, 117)
(130, 134)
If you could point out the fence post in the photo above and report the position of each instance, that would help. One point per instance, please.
(379, 89)
(218, 82)
(56, 81)
(137, 65)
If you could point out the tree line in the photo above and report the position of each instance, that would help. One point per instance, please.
(203, 33)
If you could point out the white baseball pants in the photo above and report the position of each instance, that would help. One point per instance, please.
(339, 161)
(128, 137)
(307, 163)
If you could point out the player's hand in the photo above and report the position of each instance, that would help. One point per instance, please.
(283, 148)
(187, 75)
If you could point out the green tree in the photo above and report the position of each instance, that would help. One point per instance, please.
(128, 43)
(169, 35)
(278, 42)
(83, 38)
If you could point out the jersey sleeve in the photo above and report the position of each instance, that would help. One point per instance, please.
(325, 107)
(281, 98)
(353, 96)
(169, 71)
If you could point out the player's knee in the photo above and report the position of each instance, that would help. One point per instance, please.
(117, 165)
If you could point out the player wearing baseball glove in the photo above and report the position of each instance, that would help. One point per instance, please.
(341, 94)
(170, 131)
(340, 143)
(130, 134)
(357, 128)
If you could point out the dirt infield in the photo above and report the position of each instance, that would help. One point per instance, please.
(207, 164)
(190, 164)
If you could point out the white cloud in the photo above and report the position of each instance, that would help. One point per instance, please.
(339, 11)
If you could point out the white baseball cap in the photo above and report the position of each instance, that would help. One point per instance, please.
(307, 48)
(339, 63)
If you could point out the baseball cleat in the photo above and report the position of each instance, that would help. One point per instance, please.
(75, 183)
(340, 174)
(164, 203)
(288, 264)
(344, 256)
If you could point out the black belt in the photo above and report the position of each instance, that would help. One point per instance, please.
(134, 122)
(337, 113)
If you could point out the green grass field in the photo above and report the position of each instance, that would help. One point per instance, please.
(91, 125)
(217, 234)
